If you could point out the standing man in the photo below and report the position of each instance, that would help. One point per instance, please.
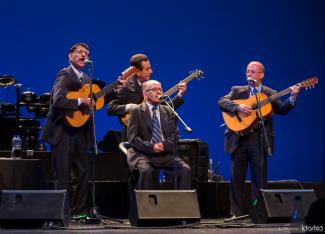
(130, 94)
(69, 144)
(246, 149)
(151, 133)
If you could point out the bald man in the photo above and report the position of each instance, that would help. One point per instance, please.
(152, 134)
(245, 150)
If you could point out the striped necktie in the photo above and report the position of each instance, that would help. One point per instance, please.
(156, 132)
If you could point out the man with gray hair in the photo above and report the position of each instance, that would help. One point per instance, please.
(152, 134)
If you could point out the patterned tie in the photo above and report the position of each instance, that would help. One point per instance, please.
(156, 133)
(253, 91)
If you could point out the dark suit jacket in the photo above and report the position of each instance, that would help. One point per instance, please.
(132, 93)
(54, 127)
(139, 135)
(243, 92)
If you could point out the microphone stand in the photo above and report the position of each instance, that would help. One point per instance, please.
(187, 129)
(94, 215)
(262, 133)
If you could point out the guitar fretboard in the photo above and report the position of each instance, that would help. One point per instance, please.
(107, 89)
(174, 89)
(272, 98)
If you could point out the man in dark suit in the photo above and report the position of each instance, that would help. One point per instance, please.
(246, 148)
(152, 134)
(130, 94)
(70, 144)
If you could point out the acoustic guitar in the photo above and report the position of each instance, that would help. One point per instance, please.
(197, 74)
(242, 124)
(79, 117)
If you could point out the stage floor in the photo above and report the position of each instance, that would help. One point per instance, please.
(205, 226)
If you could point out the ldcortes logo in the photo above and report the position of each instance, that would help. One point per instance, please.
(306, 228)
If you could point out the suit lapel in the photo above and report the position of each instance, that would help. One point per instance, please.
(245, 92)
(74, 75)
(146, 120)
(163, 120)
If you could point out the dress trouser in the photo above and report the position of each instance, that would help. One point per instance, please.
(148, 176)
(247, 153)
(71, 161)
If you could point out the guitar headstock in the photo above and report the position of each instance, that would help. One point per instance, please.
(197, 74)
(128, 73)
(309, 83)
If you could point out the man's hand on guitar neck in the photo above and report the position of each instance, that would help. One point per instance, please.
(294, 93)
(122, 82)
(244, 109)
(181, 88)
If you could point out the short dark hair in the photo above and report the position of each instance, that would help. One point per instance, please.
(74, 47)
(137, 59)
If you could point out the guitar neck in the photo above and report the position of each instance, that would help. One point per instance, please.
(272, 98)
(106, 90)
(174, 89)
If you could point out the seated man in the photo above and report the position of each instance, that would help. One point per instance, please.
(151, 133)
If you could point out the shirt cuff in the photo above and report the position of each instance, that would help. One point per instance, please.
(292, 100)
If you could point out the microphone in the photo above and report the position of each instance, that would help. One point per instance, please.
(87, 61)
(251, 81)
(188, 129)
(162, 97)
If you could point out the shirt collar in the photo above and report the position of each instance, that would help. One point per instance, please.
(150, 106)
(78, 73)
(258, 88)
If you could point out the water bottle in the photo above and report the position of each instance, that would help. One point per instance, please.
(13, 142)
(298, 216)
(16, 144)
(210, 171)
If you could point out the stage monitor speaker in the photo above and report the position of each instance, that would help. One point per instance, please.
(276, 206)
(34, 208)
(316, 215)
(156, 208)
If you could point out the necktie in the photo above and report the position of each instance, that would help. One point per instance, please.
(82, 78)
(253, 91)
(156, 133)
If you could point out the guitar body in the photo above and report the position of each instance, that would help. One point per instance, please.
(80, 117)
(240, 123)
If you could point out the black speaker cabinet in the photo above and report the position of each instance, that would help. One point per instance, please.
(156, 208)
(33, 208)
(110, 142)
(196, 154)
(276, 206)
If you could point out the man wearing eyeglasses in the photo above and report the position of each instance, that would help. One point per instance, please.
(69, 144)
(152, 134)
(130, 94)
(246, 149)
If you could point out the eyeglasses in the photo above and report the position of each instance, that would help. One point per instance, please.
(82, 52)
(252, 71)
(154, 90)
